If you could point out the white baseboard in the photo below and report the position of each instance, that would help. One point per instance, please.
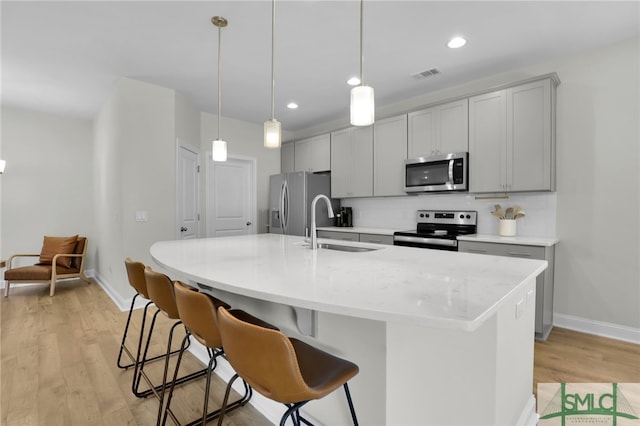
(122, 304)
(599, 328)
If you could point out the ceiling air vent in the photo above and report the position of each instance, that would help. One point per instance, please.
(426, 73)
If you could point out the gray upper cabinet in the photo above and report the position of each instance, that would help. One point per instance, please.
(439, 129)
(313, 154)
(352, 162)
(287, 158)
(512, 138)
(389, 153)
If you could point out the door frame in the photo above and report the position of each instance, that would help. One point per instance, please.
(183, 145)
(253, 196)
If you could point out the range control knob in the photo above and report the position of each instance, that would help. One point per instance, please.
(468, 216)
(461, 216)
(421, 214)
(427, 215)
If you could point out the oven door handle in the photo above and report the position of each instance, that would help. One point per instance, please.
(423, 240)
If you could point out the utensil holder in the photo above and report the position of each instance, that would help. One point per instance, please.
(507, 227)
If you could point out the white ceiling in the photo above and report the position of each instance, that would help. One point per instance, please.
(64, 57)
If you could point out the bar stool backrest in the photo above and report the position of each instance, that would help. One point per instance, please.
(264, 358)
(198, 312)
(135, 273)
(161, 293)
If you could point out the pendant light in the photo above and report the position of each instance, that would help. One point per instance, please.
(219, 146)
(272, 128)
(362, 99)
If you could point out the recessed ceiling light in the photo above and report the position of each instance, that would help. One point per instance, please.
(292, 105)
(456, 42)
(353, 81)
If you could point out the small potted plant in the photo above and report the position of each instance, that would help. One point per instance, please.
(507, 219)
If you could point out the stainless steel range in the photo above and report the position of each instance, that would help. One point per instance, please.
(438, 229)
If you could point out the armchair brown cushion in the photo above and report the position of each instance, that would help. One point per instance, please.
(58, 245)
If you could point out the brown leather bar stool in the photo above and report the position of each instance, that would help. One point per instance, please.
(198, 312)
(283, 369)
(135, 274)
(160, 288)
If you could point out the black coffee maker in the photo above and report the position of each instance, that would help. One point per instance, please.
(344, 217)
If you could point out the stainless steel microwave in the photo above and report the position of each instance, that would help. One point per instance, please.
(439, 173)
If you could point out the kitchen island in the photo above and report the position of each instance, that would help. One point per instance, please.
(440, 337)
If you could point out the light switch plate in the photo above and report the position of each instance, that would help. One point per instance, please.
(141, 216)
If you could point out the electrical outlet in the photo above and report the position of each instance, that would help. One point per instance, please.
(141, 216)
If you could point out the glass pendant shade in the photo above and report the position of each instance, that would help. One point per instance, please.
(362, 106)
(272, 134)
(219, 150)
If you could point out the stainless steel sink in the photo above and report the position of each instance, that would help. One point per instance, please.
(341, 247)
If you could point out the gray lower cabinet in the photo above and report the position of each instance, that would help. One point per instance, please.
(354, 236)
(544, 282)
(335, 235)
(376, 239)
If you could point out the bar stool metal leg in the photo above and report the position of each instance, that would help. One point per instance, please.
(139, 370)
(206, 416)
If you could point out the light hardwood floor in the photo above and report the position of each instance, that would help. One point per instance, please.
(58, 363)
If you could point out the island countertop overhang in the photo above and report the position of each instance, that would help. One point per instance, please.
(423, 287)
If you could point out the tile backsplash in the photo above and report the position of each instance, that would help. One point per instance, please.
(400, 212)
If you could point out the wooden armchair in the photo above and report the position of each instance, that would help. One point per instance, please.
(54, 264)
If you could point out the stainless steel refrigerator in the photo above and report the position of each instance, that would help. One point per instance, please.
(290, 197)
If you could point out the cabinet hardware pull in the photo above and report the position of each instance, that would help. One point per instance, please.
(515, 253)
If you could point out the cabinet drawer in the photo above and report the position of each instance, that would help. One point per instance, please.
(376, 239)
(336, 235)
(498, 249)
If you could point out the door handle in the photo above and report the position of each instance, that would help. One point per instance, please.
(183, 229)
(248, 223)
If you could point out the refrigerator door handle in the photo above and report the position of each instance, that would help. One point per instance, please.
(284, 206)
(281, 207)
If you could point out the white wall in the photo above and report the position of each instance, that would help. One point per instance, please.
(596, 208)
(135, 171)
(47, 184)
(247, 140)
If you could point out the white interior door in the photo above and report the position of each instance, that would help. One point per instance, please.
(187, 205)
(231, 197)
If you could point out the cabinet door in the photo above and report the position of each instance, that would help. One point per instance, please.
(361, 164)
(529, 137)
(453, 127)
(321, 153)
(339, 235)
(376, 239)
(341, 148)
(487, 142)
(303, 155)
(287, 158)
(389, 153)
(422, 133)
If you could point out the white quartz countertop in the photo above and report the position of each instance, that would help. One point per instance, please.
(528, 241)
(393, 283)
(359, 230)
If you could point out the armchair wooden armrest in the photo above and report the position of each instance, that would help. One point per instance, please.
(20, 255)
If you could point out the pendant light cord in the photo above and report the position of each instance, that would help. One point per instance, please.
(219, 68)
(361, 48)
(273, 80)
